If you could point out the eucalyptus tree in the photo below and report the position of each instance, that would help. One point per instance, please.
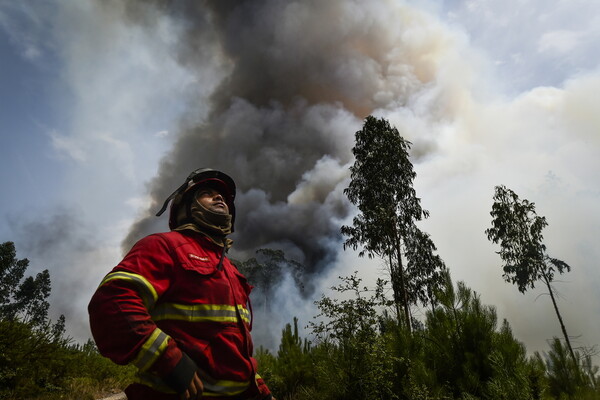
(268, 269)
(381, 186)
(518, 229)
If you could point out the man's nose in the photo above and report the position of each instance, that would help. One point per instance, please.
(219, 196)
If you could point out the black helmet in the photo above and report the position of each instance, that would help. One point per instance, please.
(197, 177)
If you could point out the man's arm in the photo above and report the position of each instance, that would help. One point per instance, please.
(120, 319)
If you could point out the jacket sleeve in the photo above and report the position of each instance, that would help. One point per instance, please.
(264, 391)
(120, 314)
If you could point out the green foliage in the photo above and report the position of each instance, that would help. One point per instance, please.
(36, 360)
(294, 360)
(30, 357)
(510, 370)
(11, 273)
(518, 229)
(89, 365)
(536, 376)
(24, 300)
(381, 187)
(589, 373)
(460, 352)
(460, 334)
(563, 374)
(290, 371)
(351, 318)
(38, 363)
(570, 378)
(348, 335)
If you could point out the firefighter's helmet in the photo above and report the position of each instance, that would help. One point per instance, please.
(181, 196)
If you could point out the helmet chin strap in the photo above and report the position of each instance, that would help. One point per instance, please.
(166, 203)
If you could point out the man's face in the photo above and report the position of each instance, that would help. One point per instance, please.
(211, 199)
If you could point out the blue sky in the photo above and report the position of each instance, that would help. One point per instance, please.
(93, 100)
(26, 114)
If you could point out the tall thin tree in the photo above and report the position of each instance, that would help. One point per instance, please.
(381, 187)
(518, 229)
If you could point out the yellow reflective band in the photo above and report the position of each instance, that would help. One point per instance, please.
(212, 386)
(211, 390)
(199, 312)
(244, 313)
(148, 293)
(154, 346)
(153, 381)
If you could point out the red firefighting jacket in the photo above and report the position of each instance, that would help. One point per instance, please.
(170, 301)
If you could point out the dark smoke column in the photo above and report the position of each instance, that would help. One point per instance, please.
(267, 127)
(298, 79)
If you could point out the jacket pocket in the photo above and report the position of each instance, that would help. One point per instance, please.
(192, 260)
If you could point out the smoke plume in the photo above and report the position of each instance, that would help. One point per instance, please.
(300, 77)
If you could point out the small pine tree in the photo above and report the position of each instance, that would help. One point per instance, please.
(294, 363)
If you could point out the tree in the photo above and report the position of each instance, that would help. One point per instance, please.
(24, 300)
(381, 187)
(460, 333)
(357, 363)
(294, 363)
(518, 229)
(467, 350)
(36, 359)
(565, 379)
(267, 269)
(29, 342)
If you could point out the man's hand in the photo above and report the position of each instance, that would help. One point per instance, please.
(194, 390)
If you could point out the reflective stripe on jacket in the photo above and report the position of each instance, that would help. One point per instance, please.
(167, 297)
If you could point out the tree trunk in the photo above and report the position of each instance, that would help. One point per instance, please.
(400, 273)
(396, 298)
(562, 325)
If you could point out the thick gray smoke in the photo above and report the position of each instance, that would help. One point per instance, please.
(300, 77)
(64, 244)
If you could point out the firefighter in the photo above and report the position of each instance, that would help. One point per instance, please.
(175, 306)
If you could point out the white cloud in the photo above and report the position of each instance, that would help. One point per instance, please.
(550, 39)
(559, 43)
(67, 146)
(120, 152)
